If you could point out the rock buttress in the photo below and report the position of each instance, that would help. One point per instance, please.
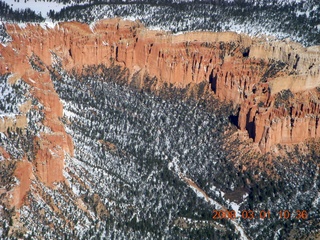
(253, 73)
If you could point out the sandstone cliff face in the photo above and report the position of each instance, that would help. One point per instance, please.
(176, 59)
(250, 72)
(23, 173)
(52, 144)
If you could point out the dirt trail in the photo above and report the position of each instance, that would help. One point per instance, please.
(203, 194)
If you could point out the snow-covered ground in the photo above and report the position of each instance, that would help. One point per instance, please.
(42, 7)
(235, 207)
(196, 18)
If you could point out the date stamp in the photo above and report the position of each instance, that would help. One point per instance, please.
(261, 214)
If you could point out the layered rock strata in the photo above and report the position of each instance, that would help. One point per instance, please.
(244, 70)
(53, 143)
(273, 83)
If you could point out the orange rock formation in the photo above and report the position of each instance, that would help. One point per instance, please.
(23, 172)
(240, 69)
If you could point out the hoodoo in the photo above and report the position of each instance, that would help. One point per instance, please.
(251, 72)
(274, 84)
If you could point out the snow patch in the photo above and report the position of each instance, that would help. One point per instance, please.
(69, 114)
(216, 191)
(38, 6)
(92, 26)
(48, 24)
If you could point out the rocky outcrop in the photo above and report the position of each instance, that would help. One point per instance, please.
(50, 146)
(24, 174)
(273, 83)
(176, 59)
(52, 143)
(288, 120)
(13, 122)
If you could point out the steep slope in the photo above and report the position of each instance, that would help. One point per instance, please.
(142, 109)
(249, 72)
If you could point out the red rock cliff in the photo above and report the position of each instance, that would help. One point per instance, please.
(250, 72)
(52, 144)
